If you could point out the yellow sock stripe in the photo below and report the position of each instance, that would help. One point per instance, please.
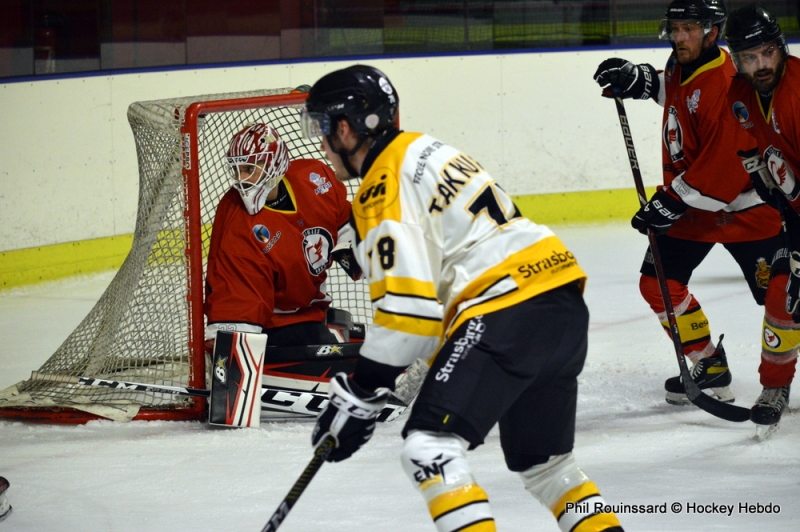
(692, 326)
(455, 499)
(777, 341)
(596, 523)
(575, 495)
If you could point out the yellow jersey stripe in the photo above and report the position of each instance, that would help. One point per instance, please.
(419, 325)
(402, 286)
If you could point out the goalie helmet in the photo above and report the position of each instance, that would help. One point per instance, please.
(258, 159)
(361, 94)
(709, 13)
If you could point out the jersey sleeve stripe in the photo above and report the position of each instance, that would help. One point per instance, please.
(407, 323)
(402, 286)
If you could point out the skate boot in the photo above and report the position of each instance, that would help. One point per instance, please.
(711, 372)
(5, 507)
(770, 405)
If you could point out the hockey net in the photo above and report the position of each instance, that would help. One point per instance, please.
(148, 325)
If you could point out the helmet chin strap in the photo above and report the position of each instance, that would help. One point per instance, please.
(345, 155)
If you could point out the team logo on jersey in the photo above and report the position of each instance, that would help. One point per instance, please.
(775, 123)
(740, 112)
(781, 173)
(323, 185)
(693, 102)
(673, 135)
(376, 194)
(771, 339)
(261, 233)
(317, 246)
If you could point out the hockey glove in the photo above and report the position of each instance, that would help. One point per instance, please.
(621, 78)
(793, 287)
(659, 213)
(343, 254)
(765, 186)
(349, 416)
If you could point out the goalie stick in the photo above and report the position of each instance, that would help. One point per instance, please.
(320, 455)
(716, 408)
(275, 399)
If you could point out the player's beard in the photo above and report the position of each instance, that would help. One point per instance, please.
(765, 79)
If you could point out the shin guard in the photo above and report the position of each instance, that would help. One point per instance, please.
(780, 338)
(235, 399)
(436, 464)
(692, 322)
(575, 501)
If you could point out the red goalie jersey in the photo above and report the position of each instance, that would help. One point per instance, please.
(269, 270)
(700, 141)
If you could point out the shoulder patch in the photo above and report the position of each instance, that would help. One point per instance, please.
(378, 195)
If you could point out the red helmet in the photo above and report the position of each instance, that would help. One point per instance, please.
(258, 159)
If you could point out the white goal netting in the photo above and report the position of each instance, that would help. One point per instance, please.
(147, 326)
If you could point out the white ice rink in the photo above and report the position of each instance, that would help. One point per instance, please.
(170, 476)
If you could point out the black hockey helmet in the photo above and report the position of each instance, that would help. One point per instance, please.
(709, 12)
(752, 26)
(361, 94)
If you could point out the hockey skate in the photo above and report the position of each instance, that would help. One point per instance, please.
(709, 373)
(5, 507)
(766, 413)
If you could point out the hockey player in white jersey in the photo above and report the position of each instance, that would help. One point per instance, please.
(458, 276)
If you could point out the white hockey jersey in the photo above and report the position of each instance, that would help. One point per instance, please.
(440, 242)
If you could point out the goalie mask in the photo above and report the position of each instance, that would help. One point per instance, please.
(257, 159)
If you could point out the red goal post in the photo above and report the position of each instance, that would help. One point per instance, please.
(148, 326)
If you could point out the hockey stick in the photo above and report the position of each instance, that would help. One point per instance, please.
(306, 403)
(714, 407)
(320, 455)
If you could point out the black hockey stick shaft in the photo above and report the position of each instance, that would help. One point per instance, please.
(320, 455)
(693, 392)
(120, 385)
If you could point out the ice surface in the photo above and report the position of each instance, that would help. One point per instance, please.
(170, 476)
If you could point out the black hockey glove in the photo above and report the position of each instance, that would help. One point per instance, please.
(765, 186)
(349, 416)
(621, 78)
(659, 213)
(343, 254)
(793, 287)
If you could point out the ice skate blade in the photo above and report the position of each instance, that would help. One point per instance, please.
(763, 432)
(723, 394)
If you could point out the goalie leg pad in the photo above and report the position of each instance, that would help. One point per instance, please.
(238, 363)
(437, 465)
(575, 501)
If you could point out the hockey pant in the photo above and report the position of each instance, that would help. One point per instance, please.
(679, 259)
(436, 464)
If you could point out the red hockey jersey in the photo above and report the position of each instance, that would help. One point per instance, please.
(700, 141)
(269, 269)
(777, 129)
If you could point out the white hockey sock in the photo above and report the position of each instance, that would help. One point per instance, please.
(566, 490)
(436, 464)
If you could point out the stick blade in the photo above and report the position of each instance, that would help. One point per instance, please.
(726, 411)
